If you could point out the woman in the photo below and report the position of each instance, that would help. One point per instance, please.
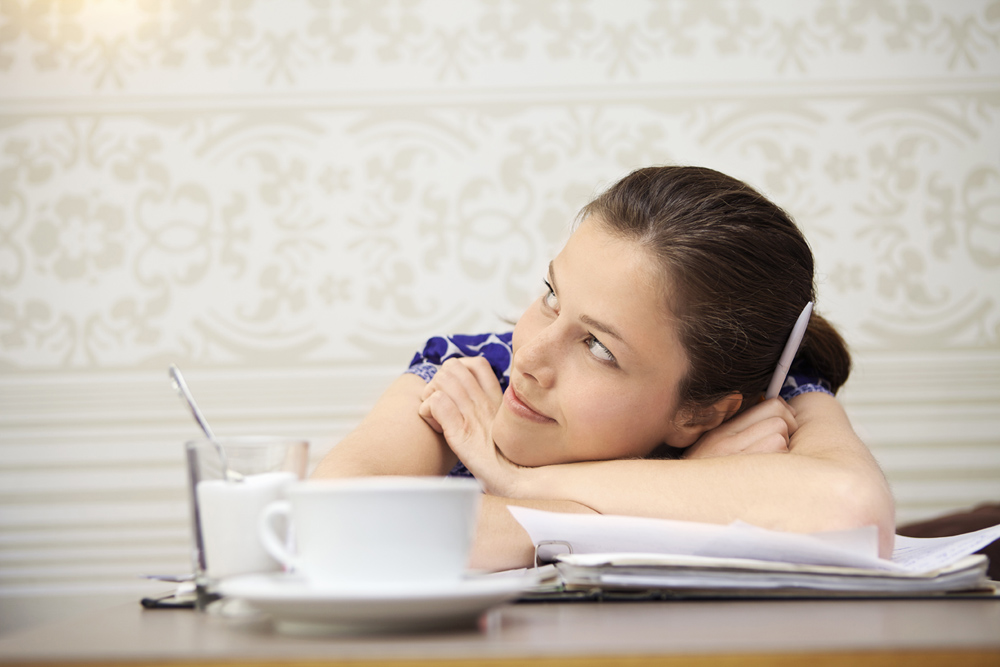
(634, 384)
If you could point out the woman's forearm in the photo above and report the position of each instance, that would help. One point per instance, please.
(391, 440)
(827, 481)
(781, 491)
(501, 543)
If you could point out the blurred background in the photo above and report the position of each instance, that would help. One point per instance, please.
(286, 198)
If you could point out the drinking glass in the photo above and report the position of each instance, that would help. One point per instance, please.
(230, 480)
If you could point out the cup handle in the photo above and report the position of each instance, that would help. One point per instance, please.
(269, 538)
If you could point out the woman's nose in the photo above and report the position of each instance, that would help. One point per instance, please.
(535, 359)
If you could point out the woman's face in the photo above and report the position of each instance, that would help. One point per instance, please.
(597, 360)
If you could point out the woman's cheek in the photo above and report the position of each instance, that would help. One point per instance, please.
(506, 439)
(609, 425)
(523, 445)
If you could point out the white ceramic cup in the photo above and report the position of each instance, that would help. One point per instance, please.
(376, 532)
(225, 510)
(229, 512)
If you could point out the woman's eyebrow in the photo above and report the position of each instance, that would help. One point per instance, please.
(604, 328)
(588, 320)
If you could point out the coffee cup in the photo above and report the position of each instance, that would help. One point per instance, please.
(374, 533)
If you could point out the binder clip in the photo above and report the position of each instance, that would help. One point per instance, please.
(551, 556)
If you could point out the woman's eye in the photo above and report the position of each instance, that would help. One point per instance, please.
(550, 299)
(598, 350)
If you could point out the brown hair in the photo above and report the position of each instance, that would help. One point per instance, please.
(740, 273)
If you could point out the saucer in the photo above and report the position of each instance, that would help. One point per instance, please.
(298, 607)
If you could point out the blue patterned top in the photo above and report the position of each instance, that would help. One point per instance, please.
(496, 348)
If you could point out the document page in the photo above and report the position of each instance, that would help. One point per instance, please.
(602, 533)
(922, 554)
(589, 533)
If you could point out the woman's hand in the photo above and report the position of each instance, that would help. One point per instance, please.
(461, 402)
(764, 428)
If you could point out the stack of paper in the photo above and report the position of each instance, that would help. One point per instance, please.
(615, 553)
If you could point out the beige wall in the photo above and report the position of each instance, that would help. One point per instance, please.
(285, 198)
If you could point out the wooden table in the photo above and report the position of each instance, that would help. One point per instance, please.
(624, 634)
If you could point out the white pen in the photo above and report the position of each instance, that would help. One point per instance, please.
(788, 354)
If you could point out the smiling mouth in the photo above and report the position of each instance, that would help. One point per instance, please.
(522, 409)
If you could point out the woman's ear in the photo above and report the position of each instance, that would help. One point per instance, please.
(691, 424)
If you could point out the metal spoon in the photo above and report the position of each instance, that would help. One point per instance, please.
(177, 380)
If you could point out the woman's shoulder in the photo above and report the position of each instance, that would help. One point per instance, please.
(494, 347)
(803, 379)
(439, 348)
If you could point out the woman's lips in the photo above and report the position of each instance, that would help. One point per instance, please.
(522, 409)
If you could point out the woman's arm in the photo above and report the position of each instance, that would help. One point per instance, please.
(391, 440)
(501, 543)
(828, 480)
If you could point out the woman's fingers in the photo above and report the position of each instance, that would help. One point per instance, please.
(470, 377)
(461, 401)
(426, 412)
(442, 414)
(773, 443)
(770, 435)
(775, 407)
(767, 427)
(486, 379)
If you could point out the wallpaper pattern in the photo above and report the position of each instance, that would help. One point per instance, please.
(255, 182)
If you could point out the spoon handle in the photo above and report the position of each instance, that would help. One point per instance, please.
(181, 386)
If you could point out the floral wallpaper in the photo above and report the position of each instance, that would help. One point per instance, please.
(248, 182)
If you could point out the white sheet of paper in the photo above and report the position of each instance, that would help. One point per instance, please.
(920, 554)
(600, 533)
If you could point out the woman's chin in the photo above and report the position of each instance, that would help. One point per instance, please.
(525, 457)
(521, 448)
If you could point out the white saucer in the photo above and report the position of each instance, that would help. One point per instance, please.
(298, 607)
